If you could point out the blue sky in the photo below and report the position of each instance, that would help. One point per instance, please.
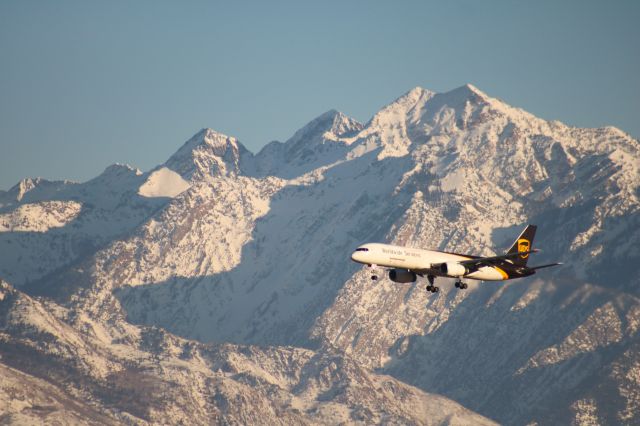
(84, 84)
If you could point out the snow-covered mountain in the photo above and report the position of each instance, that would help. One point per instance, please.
(61, 366)
(45, 226)
(221, 248)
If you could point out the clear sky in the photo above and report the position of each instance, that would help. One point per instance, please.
(84, 84)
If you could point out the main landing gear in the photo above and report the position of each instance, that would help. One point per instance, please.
(431, 287)
(461, 285)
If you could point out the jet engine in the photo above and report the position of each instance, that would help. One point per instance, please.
(453, 269)
(402, 276)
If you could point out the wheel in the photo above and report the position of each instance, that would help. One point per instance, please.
(457, 284)
(465, 285)
(429, 288)
(436, 289)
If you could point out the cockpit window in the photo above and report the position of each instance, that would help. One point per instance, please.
(362, 249)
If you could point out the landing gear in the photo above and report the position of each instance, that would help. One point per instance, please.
(374, 272)
(431, 287)
(461, 285)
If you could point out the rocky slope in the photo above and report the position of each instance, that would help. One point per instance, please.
(220, 245)
(57, 366)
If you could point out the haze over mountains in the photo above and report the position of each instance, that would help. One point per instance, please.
(217, 287)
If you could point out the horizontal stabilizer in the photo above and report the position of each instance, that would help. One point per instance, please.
(546, 266)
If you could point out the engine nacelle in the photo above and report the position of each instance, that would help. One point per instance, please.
(402, 276)
(453, 269)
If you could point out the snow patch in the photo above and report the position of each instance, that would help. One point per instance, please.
(163, 182)
(453, 181)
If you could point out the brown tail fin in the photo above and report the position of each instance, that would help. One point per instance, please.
(524, 243)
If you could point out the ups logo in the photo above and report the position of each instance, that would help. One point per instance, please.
(523, 246)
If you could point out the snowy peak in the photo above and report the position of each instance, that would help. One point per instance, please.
(343, 125)
(322, 141)
(111, 187)
(118, 170)
(460, 101)
(466, 93)
(19, 190)
(421, 106)
(208, 153)
(24, 186)
(391, 127)
(121, 177)
(31, 190)
(328, 126)
(421, 115)
(414, 99)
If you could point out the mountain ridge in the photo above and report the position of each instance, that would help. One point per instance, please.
(254, 251)
(207, 135)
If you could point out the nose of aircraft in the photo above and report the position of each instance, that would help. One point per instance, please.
(359, 255)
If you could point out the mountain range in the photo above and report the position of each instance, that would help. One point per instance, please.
(217, 287)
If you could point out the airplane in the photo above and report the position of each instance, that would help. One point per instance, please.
(409, 263)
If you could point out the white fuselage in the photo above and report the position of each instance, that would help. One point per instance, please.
(417, 259)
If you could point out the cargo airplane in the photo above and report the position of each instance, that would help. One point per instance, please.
(408, 263)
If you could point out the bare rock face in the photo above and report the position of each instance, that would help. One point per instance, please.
(217, 287)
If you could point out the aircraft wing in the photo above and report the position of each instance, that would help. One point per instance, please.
(478, 262)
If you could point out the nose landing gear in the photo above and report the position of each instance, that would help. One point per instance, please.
(374, 272)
